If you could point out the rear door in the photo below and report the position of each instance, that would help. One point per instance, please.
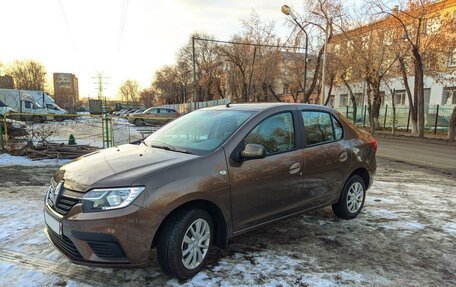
(326, 156)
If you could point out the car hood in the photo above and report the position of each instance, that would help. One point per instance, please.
(116, 167)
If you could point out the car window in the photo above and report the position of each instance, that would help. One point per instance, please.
(338, 130)
(275, 133)
(317, 127)
(153, 111)
(28, 105)
(200, 131)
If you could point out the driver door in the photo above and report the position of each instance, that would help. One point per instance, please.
(263, 189)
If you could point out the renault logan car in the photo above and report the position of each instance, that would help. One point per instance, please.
(204, 178)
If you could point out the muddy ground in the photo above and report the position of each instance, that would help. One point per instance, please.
(405, 236)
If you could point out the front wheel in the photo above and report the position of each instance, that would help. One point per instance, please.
(185, 242)
(351, 200)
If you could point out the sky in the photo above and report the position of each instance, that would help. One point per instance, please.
(123, 39)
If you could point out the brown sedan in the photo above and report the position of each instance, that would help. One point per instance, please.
(204, 178)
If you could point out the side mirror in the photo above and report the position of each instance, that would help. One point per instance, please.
(253, 151)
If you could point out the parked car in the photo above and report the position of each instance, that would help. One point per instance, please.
(126, 112)
(156, 116)
(208, 176)
(135, 111)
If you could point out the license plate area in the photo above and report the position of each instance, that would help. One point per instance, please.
(53, 223)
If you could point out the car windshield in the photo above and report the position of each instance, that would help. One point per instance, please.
(199, 132)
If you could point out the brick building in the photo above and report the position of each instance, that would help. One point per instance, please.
(66, 90)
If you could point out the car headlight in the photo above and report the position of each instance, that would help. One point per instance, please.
(109, 198)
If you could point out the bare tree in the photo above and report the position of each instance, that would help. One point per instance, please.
(148, 97)
(28, 75)
(129, 91)
(424, 30)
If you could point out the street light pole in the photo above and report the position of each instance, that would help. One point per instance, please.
(287, 11)
(323, 74)
(195, 93)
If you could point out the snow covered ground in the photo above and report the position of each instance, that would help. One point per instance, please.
(10, 160)
(406, 236)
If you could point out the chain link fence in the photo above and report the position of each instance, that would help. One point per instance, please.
(188, 107)
(18, 131)
(436, 118)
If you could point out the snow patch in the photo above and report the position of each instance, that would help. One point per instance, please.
(450, 228)
(10, 160)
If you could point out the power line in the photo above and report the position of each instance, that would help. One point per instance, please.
(248, 44)
(67, 25)
(123, 19)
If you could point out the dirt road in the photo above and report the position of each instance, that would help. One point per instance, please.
(404, 237)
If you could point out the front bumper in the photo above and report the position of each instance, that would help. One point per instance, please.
(121, 238)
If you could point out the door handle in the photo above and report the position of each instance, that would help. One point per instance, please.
(295, 168)
(343, 157)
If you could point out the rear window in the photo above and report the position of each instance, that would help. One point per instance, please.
(321, 127)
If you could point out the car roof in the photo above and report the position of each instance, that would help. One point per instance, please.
(257, 107)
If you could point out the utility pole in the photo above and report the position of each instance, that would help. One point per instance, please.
(195, 92)
(323, 74)
(105, 121)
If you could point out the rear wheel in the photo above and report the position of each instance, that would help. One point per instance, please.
(351, 200)
(139, 122)
(184, 243)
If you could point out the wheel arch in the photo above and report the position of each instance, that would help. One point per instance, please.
(363, 173)
(220, 223)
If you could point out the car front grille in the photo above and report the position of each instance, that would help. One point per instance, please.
(65, 244)
(63, 204)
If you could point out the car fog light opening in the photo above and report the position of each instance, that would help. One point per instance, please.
(109, 198)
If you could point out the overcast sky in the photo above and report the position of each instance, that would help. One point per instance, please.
(86, 36)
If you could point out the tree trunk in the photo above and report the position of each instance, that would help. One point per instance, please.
(419, 90)
(309, 92)
(369, 109)
(452, 129)
(352, 98)
(331, 84)
(377, 101)
(393, 125)
(412, 104)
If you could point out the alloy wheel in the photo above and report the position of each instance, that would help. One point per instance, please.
(355, 197)
(195, 243)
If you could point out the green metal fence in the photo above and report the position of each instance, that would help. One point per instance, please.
(436, 118)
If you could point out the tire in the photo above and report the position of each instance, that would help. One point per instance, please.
(171, 245)
(139, 122)
(349, 207)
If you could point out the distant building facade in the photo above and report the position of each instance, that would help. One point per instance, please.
(437, 91)
(6, 82)
(66, 90)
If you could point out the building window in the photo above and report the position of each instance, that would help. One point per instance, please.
(452, 58)
(400, 97)
(449, 96)
(343, 100)
(432, 26)
(285, 88)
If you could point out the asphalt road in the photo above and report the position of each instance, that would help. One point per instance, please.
(437, 156)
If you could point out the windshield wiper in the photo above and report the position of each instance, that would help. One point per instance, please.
(170, 147)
